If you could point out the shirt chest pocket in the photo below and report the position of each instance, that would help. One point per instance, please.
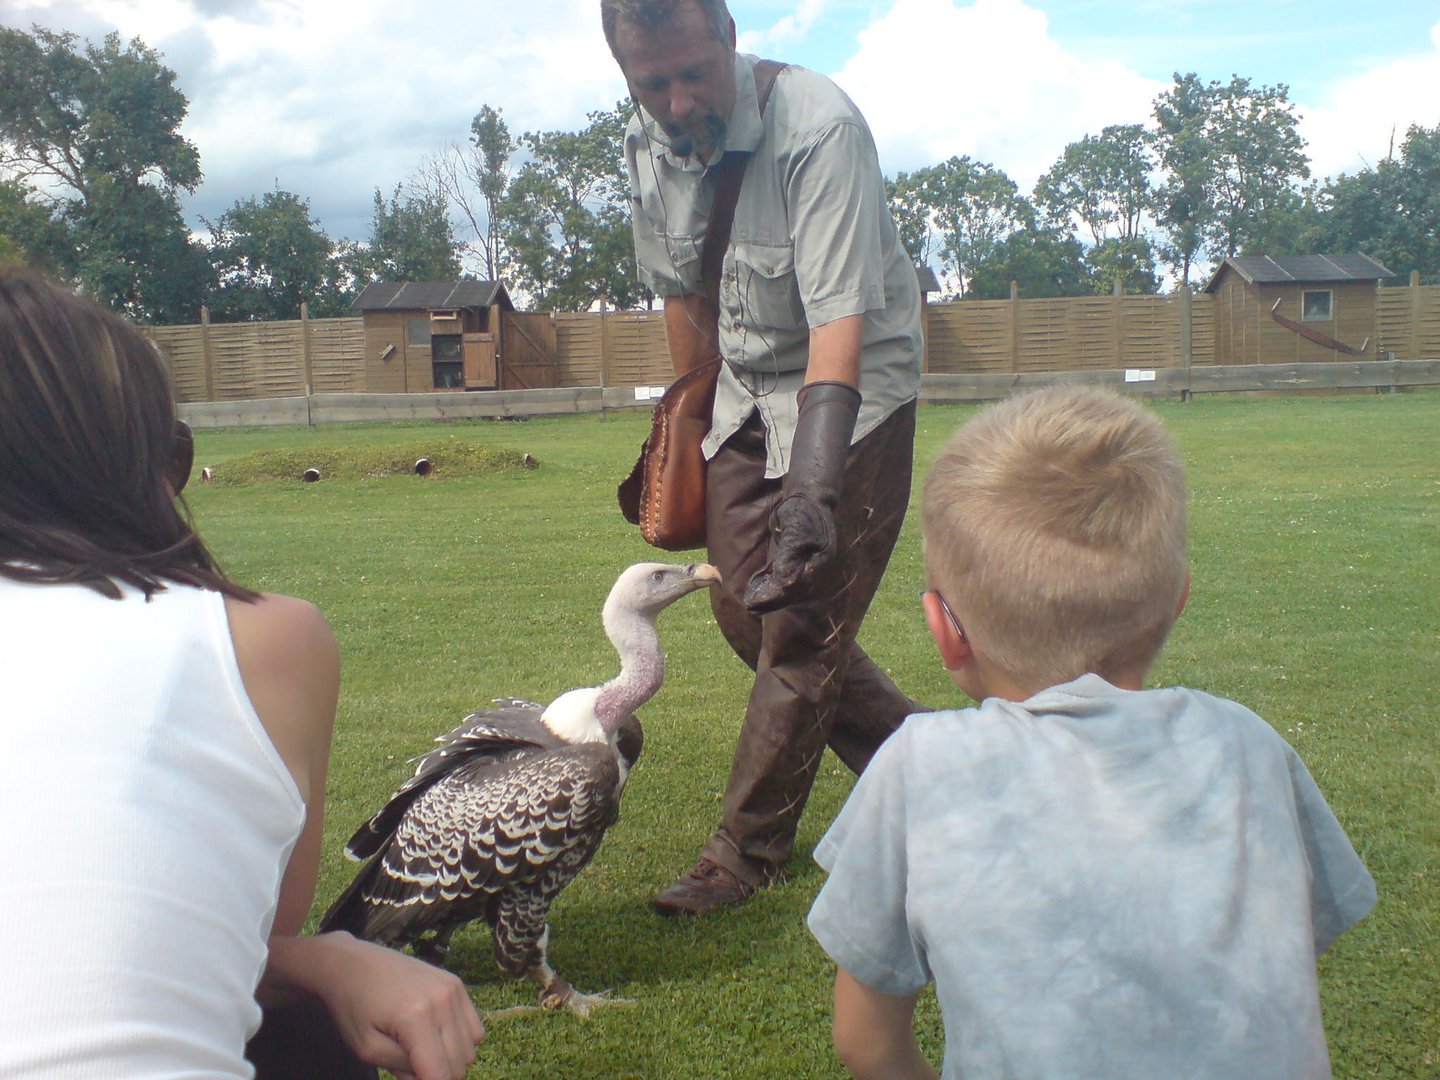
(765, 291)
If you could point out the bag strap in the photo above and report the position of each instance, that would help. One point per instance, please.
(731, 170)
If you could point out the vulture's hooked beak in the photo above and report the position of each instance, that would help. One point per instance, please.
(704, 575)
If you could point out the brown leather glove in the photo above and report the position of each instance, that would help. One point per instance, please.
(802, 525)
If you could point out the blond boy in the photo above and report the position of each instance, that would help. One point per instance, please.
(1101, 880)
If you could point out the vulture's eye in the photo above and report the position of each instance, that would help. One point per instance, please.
(657, 576)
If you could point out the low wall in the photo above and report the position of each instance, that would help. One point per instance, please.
(1148, 382)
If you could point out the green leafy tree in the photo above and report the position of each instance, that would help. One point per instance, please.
(1102, 181)
(565, 217)
(963, 211)
(911, 213)
(269, 256)
(94, 129)
(411, 240)
(1233, 161)
(1040, 262)
(31, 234)
(1390, 212)
(1128, 260)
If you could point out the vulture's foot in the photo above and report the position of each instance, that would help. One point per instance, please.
(560, 994)
(432, 952)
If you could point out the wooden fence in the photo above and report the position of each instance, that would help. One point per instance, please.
(1015, 338)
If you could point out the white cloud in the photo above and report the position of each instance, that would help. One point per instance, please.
(936, 79)
(1351, 126)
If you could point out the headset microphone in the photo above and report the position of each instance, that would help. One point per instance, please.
(681, 145)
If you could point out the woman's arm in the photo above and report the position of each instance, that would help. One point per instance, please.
(874, 1033)
(392, 1010)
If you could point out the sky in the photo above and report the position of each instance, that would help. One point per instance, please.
(332, 100)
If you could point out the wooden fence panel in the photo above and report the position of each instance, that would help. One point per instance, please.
(1022, 338)
(635, 349)
(337, 355)
(1408, 322)
(184, 348)
(578, 348)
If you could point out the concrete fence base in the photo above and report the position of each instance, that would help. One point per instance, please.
(1150, 382)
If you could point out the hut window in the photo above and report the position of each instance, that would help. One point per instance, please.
(417, 330)
(1316, 305)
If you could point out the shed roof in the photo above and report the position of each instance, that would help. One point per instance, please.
(1300, 269)
(927, 279)
(428, 295)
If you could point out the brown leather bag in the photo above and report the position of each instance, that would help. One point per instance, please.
(665, 491)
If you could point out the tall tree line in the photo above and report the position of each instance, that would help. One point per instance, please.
(92, 169)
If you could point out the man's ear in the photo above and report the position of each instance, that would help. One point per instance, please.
(954, 648)
(1184, 595)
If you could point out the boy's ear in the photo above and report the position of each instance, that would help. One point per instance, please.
(1184, 595)
(954, 649)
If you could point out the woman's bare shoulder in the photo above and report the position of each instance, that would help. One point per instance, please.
(290, 664)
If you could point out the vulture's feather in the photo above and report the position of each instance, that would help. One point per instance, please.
(513, 804)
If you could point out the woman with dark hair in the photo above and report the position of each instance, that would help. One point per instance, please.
(164, 740)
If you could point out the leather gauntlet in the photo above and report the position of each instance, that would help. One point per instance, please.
(802, 525)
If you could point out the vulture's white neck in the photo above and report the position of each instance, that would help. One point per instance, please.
(593, 714)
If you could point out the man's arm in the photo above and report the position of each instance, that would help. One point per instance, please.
(690, 331)
(874, 1033)
(835, 351)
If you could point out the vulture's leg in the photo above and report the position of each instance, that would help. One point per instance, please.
(434, 949)
(556, 992)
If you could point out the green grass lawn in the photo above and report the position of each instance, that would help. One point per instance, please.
(1315, 532)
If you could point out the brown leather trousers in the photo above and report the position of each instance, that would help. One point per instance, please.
(813, 685)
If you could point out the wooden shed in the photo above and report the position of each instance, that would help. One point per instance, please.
(1295, 309)
(422, 336)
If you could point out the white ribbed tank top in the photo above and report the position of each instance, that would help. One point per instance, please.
(150, 820)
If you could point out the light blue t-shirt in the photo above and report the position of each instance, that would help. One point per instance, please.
(1100, 882)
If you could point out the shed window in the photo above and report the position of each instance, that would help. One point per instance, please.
(417, 330)
(1316, 305)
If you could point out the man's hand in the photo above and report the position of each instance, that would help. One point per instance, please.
(803, 538)
(802, 527)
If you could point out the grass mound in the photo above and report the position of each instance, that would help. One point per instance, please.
(446, 458)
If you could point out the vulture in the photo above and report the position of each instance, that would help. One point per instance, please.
(514, 803)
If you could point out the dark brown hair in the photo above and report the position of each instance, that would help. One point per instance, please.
(87, 440)
(651, 14)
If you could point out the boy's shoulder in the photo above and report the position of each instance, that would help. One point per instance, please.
(1084, 716)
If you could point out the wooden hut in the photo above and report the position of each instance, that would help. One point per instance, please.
(1295, 309)
(433, 335)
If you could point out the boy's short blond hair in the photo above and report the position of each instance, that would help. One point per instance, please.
(1055, 522)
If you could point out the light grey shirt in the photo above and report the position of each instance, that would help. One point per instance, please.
(1100, 882)
(812, 242)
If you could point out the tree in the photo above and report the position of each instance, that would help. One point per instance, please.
(1234, 160)
(1040, 262)
(411, 240)
(565, 217)
(1128, 260)
(1102, 181)
(1390, 212)
(962, 209)
(94, 131)
(269, 256)
(472, 180)
(31, 234)
(133, 252)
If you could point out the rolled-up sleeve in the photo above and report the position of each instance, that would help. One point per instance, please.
(833, 190)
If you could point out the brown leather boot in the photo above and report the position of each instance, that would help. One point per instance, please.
(704, 887)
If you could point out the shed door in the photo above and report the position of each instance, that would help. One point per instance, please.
(480, 362)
